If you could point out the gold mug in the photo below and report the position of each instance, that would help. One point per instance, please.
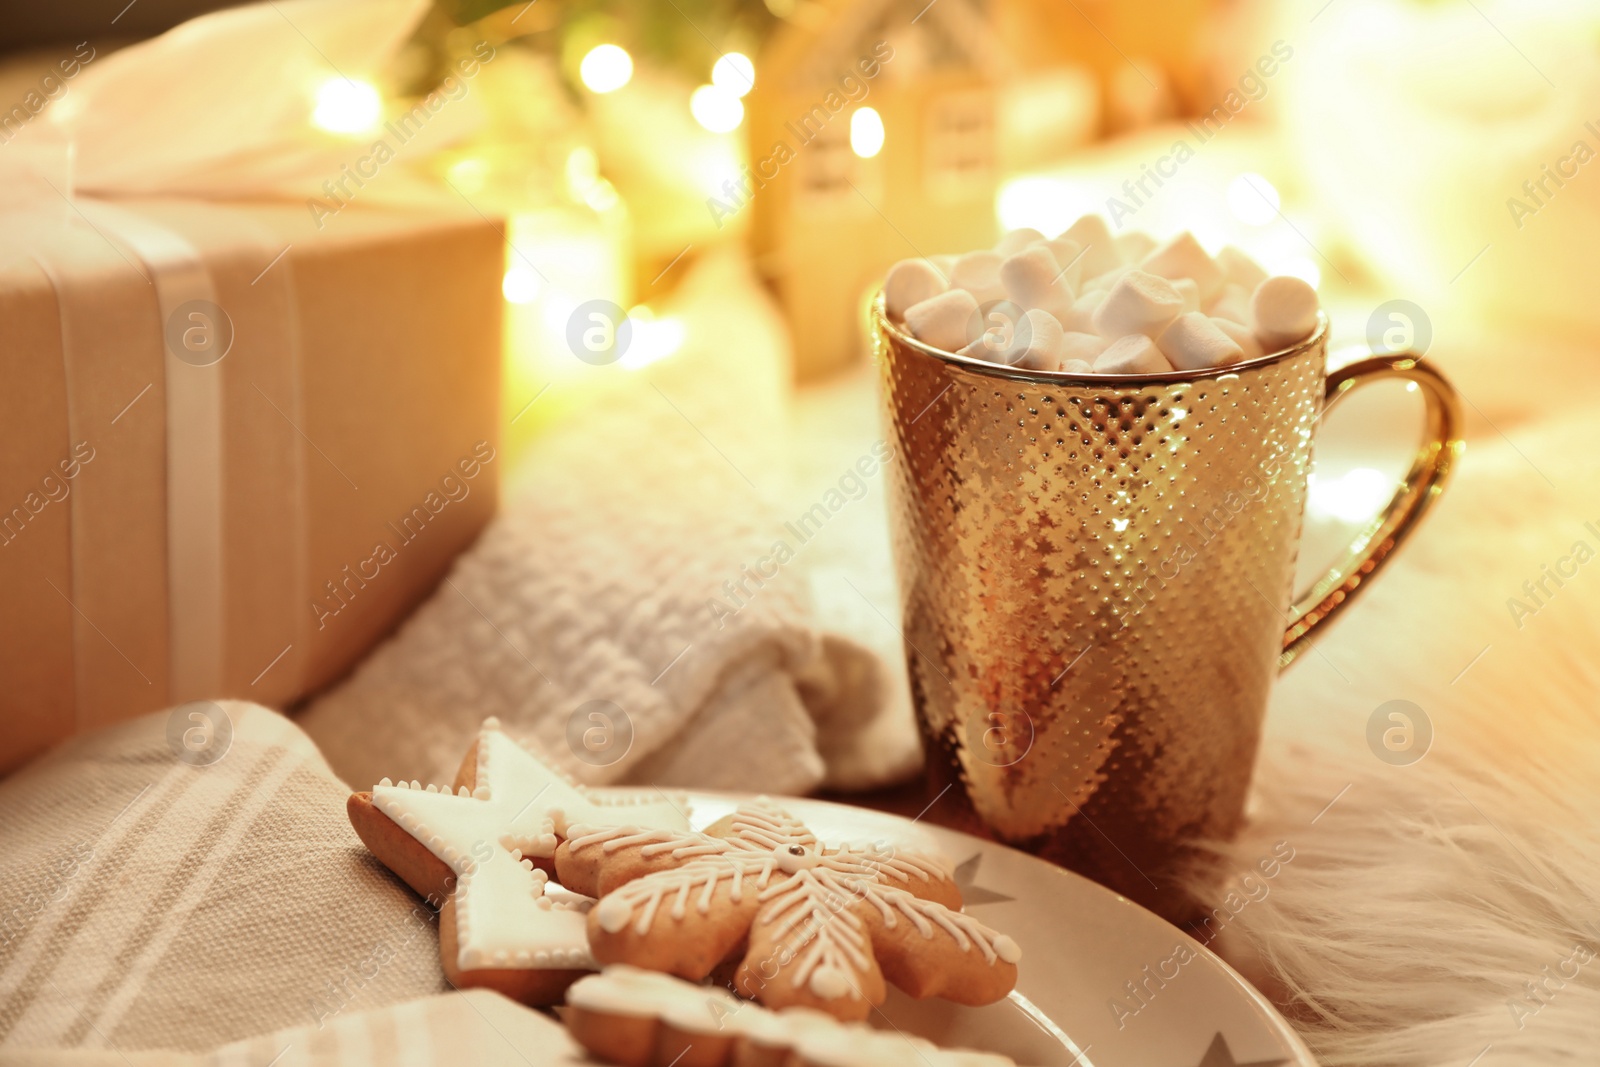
(1096, 585)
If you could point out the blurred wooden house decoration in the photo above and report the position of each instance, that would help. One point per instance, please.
(873, 136)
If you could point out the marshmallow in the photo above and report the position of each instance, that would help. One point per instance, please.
(1189, 291)
(1133, 354)
(996, 327)
(1081, 317)
(946, 321)
(1069, 257)
(1232, 303)
(1193, 342)
(910, 281)
(1082, 346)
(1240, 269)
(1105, 281)
(979, 274)
(1100, 248)
(1017, 240)
(1133, 246)
(1138, 303)
(1283, 312)
(980, 349)
(1032, 279)
(1241, 336)
(1182, 257)
(1077, 303)
(1035, 343)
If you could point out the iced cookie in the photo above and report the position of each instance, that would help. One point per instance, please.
(637, 1018)
(813, 927)
(481, 850)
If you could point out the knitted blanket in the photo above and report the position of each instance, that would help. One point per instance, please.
(641, 611)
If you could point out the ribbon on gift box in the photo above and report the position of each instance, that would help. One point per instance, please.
(184, 291)
(216, 108)
(112, 240)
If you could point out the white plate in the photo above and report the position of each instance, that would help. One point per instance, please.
(1084, 947)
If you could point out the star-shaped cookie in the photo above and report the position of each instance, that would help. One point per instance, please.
(481, 850)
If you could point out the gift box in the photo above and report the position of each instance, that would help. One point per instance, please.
(250, 399)
(237, 444)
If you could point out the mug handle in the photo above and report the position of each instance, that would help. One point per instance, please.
(1431, 468)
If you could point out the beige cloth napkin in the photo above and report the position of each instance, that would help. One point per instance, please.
(471, 1027)
(153, 903)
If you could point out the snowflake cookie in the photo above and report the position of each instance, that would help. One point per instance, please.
(481, 849)
(817, 927)
(637, 1018)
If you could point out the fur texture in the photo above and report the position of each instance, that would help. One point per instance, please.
(1445, 912)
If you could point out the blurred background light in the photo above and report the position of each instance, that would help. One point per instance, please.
(520, 285)
(346, 105)
(1253, 199)
(716, 109)
(866, 132)
(1047, 204)
(734, 73)
(1355, 495)
(653, 338)
(468, 175)
(606, 68)
(1302, 267)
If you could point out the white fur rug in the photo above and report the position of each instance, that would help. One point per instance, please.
(1446, 912)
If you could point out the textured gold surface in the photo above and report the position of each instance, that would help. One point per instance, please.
(1424, 483)
(1095, 578)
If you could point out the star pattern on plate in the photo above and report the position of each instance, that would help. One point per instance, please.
(966, 879)
(1218, 1054)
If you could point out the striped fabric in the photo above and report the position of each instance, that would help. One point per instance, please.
(476, 1027)
(149, 902)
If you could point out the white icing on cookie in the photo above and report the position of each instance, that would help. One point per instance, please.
(800, 886)
(507, 913)
(855, 1046)
(781, 1029)
(814, 1036)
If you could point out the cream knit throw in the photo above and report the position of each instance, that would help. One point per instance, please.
(640, 611)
